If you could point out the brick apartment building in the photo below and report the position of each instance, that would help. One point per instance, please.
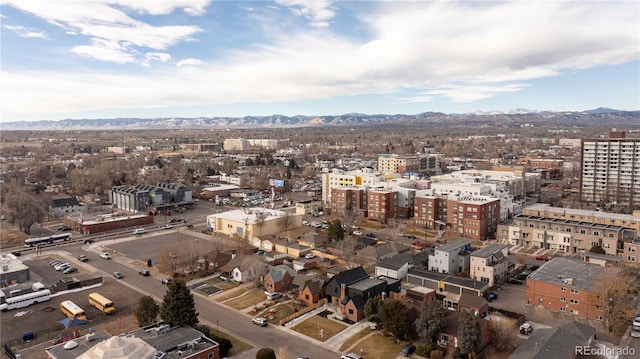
(381, 205)
(347, 200)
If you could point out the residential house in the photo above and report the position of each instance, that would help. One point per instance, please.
(398, 265)
(292, 249)
(243, 269)
(376, 253)
(448, 336)
(448, 287)
(490, 264)
(63, 205)
(474, 304)
(354, 296)
(312, 290)
(563, 340)
(218, 259)
(451, 257)
(346, 277)
(279, 278)
(313, 240)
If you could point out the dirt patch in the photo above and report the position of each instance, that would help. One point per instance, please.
(10, 236)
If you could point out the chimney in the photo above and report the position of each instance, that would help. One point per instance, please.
(343, 290)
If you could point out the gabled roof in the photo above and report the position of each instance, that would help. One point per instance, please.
(469, 300)
(454, 245)
(489, 250)
(277, 273)
(61, 202)
(557, 342)
(350, 276)
(315, 285)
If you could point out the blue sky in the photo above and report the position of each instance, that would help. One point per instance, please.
(201, 58)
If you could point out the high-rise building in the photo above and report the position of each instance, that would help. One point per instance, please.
(611, 171)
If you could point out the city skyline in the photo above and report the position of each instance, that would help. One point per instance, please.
(199, 58)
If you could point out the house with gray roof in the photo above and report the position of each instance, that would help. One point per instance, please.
(398, 265)
(451, 257)
(490, 264)
(448, 286)
(279, 278)
(560, 341)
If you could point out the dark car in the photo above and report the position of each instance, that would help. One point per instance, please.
(522, 276)
(490, 296)
(16, 253)
(144, 272)
(83, 258)
(542, 258)
(371, 235)
(165, 281)
(408, 350)
(514, 281)
(87, 241)
(411, 236)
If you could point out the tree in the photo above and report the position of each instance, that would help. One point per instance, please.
(503, 337)
(178, 307)
(225, 344)
(335, 232)
(147, 311)
(613, 294)
(266, 353)
(25, 208)
(597, 249)
(432, 319)
(395, 318)
(372, 308)
(469, 336)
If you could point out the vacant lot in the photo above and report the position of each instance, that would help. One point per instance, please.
(319, 328)
(377, 346)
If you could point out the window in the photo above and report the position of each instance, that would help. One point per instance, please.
(574, 301)
(350, 311)
(210, 356)
(562, 309)
(563, 289)
(574, 312)
(575, 291)
(445, 338)
(563, 299)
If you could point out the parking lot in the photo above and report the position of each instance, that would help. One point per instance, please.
(45, 316)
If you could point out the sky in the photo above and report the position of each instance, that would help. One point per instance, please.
(201, 58)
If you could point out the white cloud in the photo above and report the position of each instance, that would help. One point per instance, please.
(318, 12)
(104, 50)
(161, 57)
(189, 62)
(106, 20)
(463, 51)
(25, 32)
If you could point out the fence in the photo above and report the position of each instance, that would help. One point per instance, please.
(303, 311)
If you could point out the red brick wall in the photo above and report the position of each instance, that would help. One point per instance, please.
(550, 296)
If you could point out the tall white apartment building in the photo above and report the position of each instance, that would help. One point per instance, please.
(388, 163)
(611, 171)
(338, 178)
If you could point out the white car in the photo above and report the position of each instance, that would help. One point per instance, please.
(166, 226)
(306, 223)
(260, 321)
(105, 255)
(635, 331)
(636, 321)
(274, 296)
(357, 233)
(310, 256)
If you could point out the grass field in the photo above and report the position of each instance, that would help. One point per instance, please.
(354, 338)
(277, 312)
(228, 295)
(377, 346)
(312, 326)
(238, 345)
(250, 298)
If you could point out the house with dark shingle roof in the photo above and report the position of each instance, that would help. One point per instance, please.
(448, 336)
(312, 290)
(398, 265)
(64, 205)
(559, 341)
(279, 278)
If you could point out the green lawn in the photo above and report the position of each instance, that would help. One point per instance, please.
(312, 326)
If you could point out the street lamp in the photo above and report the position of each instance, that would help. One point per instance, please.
(609, 313)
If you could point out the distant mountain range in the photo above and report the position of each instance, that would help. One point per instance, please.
(515, 118)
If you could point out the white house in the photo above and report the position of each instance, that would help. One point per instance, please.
(490, 264)
(451, 258)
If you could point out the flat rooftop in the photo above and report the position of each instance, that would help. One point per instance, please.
(569, 272)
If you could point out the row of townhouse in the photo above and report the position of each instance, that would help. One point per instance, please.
(572, 231)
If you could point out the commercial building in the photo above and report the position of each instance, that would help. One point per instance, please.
(566, 285)
(611, 171)
(149, 198)
(253, 222)
(389, 163)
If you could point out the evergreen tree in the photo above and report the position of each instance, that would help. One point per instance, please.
(469, 336)
(432, 319)
(265, 353)
(146, 311)
(395, 318)
(597, 249)
(335, 231)
(178, 307)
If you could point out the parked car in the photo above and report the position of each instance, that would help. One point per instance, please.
(411, 236)
(309, 256)
(261, 321)
(306, 223)
(542, 258)
(408, 350)
(514, 281)
(357, 233)
(16, 253)
(274, 295)
(144, 272)
(526, 328)
(490, 296)
(60, 265)
(351, 356)
(117, 275)
(174, 220)
(522, 276)
(635, 331)
(636, 321)
(87, 241)
(105, 255)
(54, 262)
(83, 258)
(70, 270)
(165, 281)
(371, 235)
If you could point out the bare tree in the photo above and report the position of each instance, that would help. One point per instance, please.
(614, 294)
(25, 208)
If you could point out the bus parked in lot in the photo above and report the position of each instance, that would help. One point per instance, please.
(24, 300)
(56, 238)
(101, 303)
(72, 310)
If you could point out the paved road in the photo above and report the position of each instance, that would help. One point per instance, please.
(211, 312)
